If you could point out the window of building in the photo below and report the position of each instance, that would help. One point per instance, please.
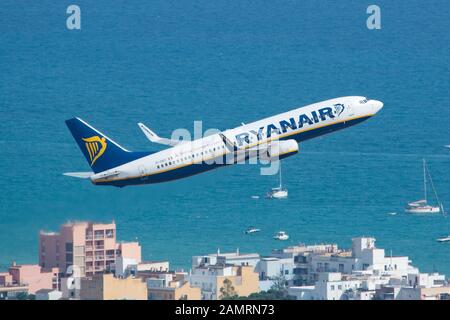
(110, 233)
(69, 246)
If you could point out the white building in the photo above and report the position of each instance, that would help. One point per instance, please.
(365, 272)
(363, 256)
(336, 286)
(128, 266)
(234, 258)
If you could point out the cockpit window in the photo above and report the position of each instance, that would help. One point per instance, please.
(363, 101)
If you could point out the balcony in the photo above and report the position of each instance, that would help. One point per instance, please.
(89, 237)
(98, 258)
(110, 257)
(90, 258)
(99, 268)
(100, 247)
(89, 248)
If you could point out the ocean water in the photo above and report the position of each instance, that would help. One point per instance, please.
(168, 63)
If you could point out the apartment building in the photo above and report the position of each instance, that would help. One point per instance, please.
(171, 286)
(91, 248)
(107, 287)
(27, 278)
(210, 279)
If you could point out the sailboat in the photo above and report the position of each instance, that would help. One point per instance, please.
(422, 206)
(278, 192)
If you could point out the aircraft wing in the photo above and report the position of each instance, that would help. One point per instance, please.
(153, 137)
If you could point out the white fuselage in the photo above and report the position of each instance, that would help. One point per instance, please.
(192, 157)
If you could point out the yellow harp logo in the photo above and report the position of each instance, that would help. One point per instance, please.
(95, 146)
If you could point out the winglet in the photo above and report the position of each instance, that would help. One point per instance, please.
(153, 137)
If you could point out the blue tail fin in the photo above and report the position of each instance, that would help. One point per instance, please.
(101, 152)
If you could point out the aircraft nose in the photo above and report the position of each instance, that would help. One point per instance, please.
(376, 106)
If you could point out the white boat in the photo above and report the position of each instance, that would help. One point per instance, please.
(392, 213)
(422, 206)
(278, 192)
(281, 235)
(251, 230)
(443, 239)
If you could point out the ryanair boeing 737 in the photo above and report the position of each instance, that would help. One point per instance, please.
(272, 138)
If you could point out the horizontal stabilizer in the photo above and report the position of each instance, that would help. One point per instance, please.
(81, 175)
(153, 137)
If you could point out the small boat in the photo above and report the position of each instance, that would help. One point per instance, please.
(278, 192)
(392, 213)
(422, 206)
(251, 230)
(443, 239)
(281, 235)
(255, 197)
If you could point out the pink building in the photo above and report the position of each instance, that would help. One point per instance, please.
(32, 276)
(92, 247)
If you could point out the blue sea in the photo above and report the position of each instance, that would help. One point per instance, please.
(168, 63)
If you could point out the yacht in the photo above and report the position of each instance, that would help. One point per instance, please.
(422, 206)
(251, 230)
(281, 235)
(443, 239)
(278, 192)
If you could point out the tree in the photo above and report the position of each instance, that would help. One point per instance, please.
(278, 291)
(279, 284)
(227, 292)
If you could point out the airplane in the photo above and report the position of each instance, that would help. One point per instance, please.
(272, 138)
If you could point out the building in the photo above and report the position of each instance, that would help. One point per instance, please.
(171, 286)
(272, 269)
(234, 258)
(310, 261)
(90, 247)
(33, 276)
(107, 287)
(12, 291)
(362, 273)
(48, 294)
(129, 266)
(303, 273)
(337, 286)
(210, 279)
(26, 279)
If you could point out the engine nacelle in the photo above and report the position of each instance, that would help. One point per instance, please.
(280, 149)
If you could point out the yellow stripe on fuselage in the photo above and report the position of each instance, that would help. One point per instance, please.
(226, 152)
